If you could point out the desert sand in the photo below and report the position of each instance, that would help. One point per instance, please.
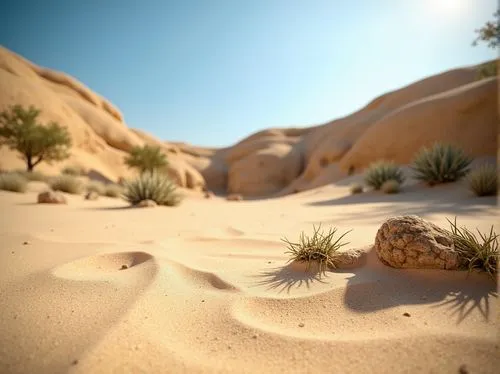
(206, 288)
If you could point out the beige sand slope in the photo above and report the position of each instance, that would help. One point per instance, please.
(206, 288)
(450, 106)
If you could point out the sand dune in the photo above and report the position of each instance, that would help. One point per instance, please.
(97, 287)
(450, 106)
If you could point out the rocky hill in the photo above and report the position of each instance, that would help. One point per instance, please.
(452, 106)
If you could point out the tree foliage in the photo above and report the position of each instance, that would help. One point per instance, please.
(146, 159)
(20, 131)
(490, 32)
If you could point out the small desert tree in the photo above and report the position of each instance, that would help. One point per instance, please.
(490, 32)
(146, 159)
(20, 131)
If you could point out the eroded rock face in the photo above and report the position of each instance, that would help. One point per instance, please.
(51, 197)
(412, 242)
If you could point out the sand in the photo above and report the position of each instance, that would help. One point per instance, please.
(97, 287)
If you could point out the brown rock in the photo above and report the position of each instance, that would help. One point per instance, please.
(411, 242)
(234, 197)
(51, 197)
(209, 194)
(146, 204)
(91, 195)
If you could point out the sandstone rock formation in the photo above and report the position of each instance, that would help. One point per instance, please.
(411, 242)
(450, 106)
(51, 197)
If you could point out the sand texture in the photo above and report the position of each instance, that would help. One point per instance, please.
(98, 287)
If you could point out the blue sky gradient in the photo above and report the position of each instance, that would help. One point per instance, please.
(210, 72)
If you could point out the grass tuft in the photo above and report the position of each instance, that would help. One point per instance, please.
(97, 187)
(320, 248)
(483, 181)
(33, 176)
(441, 163)
(13, 182)
(391, 186)
(476, 253)
(68, 184)
(74, 171)
(382, 171)
(154, 186)
(113, 190)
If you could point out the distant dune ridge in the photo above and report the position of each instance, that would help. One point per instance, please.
(451, 106)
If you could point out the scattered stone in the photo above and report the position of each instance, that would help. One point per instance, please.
(209, 194)
(351, 258)
(124, 267)
(51, 197)
(91, 195)
(146, 204)
(26, 243)
(234, 197)
(406, 314)
(12, 252)
(301, 324)
(202, 301)
(412, 242)
(75, 362)
(254, 336)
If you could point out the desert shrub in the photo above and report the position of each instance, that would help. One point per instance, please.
(96, 186)
(320, 247)
(73, 170)
(356, 188)
(146, 159)
(487, 70)
(441, 163)
(21, 132)
(113, 190)
(152, 186)
(68, 184)
(480, 254)
(483, 181)
(391, 186)
(382, 171)
(33, 176)
(13, 182)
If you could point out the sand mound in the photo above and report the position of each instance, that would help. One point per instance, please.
(450, 106)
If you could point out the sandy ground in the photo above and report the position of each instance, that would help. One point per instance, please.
(207, 289)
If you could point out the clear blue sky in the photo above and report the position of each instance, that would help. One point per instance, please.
(210, 72)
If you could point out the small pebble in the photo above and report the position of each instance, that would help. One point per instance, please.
(124, 267)
(463, 369)
(301, 324)
(26, 243)
(75, 362)
(202, 301)
(406, 314)
(12, 252)
(254, 337)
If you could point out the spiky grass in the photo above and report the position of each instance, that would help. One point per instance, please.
(113, 190)
(441, 163)
(382, 171)
(68, 184)
(97, 187)
(356, 188)
(475, 253)
(154, 186)
(391, 186)
(13, 182)
(320, 248)
(483, 181)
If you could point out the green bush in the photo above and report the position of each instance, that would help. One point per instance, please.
(13, 182)
(152, 186)
(487, 70)
(382, 171)
(441, 163)
(74, 171)
(484, 180)
(320, 248)
(147, 159)
(68, 184)
(113, 190)
(33, 176)
(474, 253)
(356, 188)
(391, 186)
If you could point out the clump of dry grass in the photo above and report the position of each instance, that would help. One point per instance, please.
(74, 170)
(154, 186)
(476, 253)
(113, 190)
(483, 181)
(68, 184)
(97, 187)
(356, 188)
(13, 182)
(33, 176)
(381, 171)
(320, 248)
